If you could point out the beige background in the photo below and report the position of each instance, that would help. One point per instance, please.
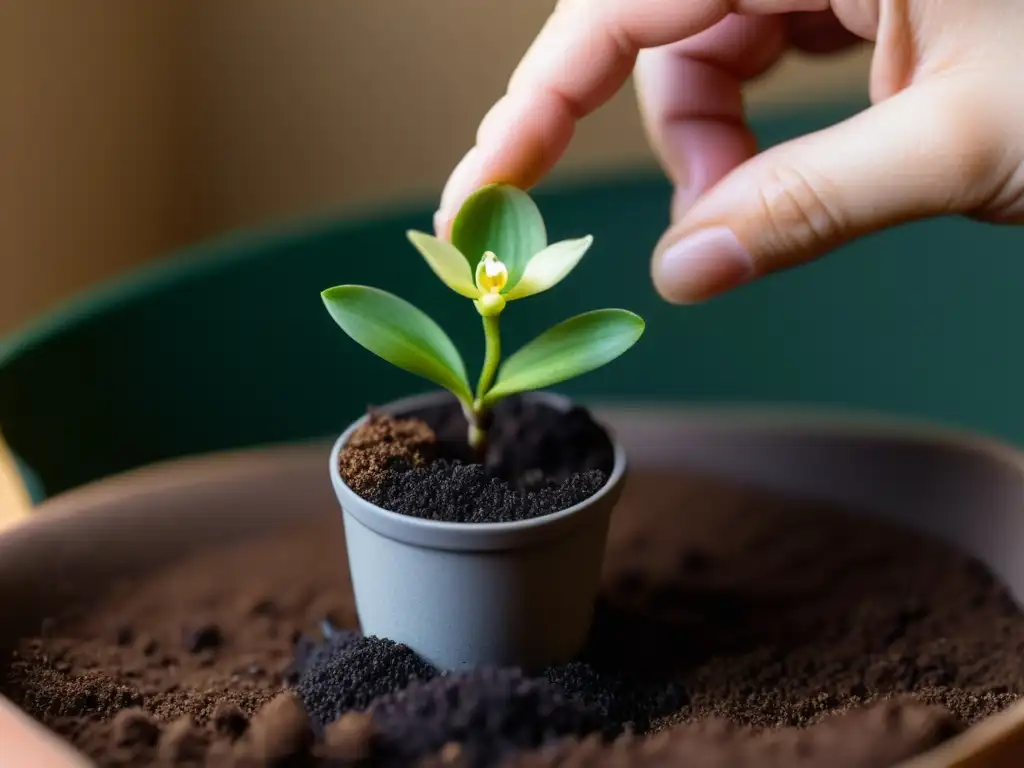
(130, 128)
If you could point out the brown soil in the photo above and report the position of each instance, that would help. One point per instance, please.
(383, 443)
(802, 638)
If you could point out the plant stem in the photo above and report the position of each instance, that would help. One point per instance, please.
(492, 356)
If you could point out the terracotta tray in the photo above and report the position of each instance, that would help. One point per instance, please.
(964, 489)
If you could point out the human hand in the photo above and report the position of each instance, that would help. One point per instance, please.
(944, 134)
(26, 744)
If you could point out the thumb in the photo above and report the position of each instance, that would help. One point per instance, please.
(927, 151)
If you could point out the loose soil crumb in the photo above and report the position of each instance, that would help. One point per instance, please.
(229, 720)
(539, 461)
(382, 445)
(182, 743)
(280, 732)
(735, 628)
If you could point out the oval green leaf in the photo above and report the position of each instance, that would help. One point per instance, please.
(503, 219)
(395, 330)
(573, 347)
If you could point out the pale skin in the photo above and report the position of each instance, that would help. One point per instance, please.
(944, 134)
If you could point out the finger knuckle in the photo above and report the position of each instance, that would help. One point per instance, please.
(795, 208)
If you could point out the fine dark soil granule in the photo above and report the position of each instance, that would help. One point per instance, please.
(489, 712)
(539, 460)
(463, 493)
(735, 628)
(349, 672)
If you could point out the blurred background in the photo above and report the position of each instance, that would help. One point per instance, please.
(131, 129)
(268, 150)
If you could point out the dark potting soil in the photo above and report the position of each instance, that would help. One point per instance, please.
(539, 460)
(735, 628)
(489, 713)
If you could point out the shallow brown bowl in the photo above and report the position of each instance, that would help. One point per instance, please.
(961, 488)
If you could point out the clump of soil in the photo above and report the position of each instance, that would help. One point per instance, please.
(735, 628)
(539, 460)
(349, 672)
(417, 710)
(382, 445)
(489, 713)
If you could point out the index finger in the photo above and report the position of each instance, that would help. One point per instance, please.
(583, 55)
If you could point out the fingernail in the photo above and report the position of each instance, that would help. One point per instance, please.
(703, 265)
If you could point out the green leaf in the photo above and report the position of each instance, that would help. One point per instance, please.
(503, 219)
(395, 330)
(573, 347)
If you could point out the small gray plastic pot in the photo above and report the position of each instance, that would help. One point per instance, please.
(465, 595)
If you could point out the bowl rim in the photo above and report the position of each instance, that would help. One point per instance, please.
(113, 500)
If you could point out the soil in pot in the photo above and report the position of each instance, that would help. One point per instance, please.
(736, 628)
(539, 460)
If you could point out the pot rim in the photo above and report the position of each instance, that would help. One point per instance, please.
(437, 534)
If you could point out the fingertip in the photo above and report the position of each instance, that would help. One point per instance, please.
(520, 140)
(459, 186)
(442, 224)
(701, 265)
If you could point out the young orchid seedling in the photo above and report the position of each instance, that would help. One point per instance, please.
(498, 254)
